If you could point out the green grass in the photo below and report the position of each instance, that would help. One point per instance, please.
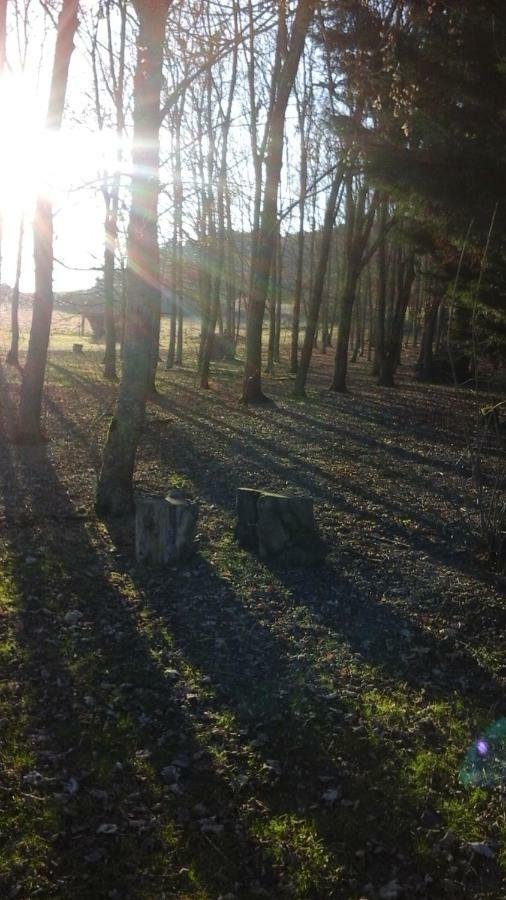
(312, 762)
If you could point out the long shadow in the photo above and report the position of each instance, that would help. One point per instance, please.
(222, 677)
(100, 390)
(289, 681)
(107, 736)
(319, 429)
(263, 465)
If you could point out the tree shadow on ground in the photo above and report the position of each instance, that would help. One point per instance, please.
(177, 447)
(258, 679)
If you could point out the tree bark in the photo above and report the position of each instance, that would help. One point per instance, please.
(220, 242)
(13, 354)
(264, 246)
(359, 224)
(297, 294)
(29, 426)
(379, 335)
(343, 334)
(317, 293)
(112, 198)
(115, 488)
(426, 358)
(392, 346)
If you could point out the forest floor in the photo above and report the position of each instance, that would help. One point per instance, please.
(228, 729)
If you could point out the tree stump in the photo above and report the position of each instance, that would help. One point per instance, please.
(247, 516)
(164, 529)
(222, 347)
(77, 348)
(280, 528)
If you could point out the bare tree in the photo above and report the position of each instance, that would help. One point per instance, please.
(111, 191)
(115, 489)
(317, 290)
(29, 429)
(303, 97)
(289, 53)
(360, 213)
(13, 355)
(219, 263)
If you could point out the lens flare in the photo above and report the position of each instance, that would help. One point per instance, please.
(485, 761)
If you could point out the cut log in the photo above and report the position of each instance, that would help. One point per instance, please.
(164, 529)
(247, 514)
(279, 527)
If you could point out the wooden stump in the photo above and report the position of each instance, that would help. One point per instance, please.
(279, 527)
(247, 515)
(164, 529)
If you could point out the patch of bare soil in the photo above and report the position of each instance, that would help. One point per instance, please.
(231, 729)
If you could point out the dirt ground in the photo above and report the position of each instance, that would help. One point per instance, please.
(231, 729)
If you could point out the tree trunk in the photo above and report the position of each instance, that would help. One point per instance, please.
(426, 359)
(115, 489)
(171, 350)
(269, 369)
(175, 348)
(390, 356)
(29, 427)
(112, 202)
(319, 282)
(220, 242)
(109, 323)
(379, 331)
(13, 354)
(343, 334)
(359, 222)
(279, 301)
(297, 294)
(264, 246)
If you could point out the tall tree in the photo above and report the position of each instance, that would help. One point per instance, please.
(13, 355)
(111, 189)
(303, 98)
(115, 487)
(289, 53)
(360, 216)
(220, 237)
(29, 426)
(393, 338)
(319, 282)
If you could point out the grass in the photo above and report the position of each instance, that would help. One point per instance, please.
(240, 730)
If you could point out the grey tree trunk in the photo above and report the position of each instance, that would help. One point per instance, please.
(115, 488)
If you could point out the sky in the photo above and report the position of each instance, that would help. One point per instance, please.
(66, 166)
(69, 166)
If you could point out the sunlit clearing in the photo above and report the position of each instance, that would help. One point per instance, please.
(34, 162)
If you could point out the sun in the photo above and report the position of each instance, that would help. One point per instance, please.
(34, 161)
(22, 127)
